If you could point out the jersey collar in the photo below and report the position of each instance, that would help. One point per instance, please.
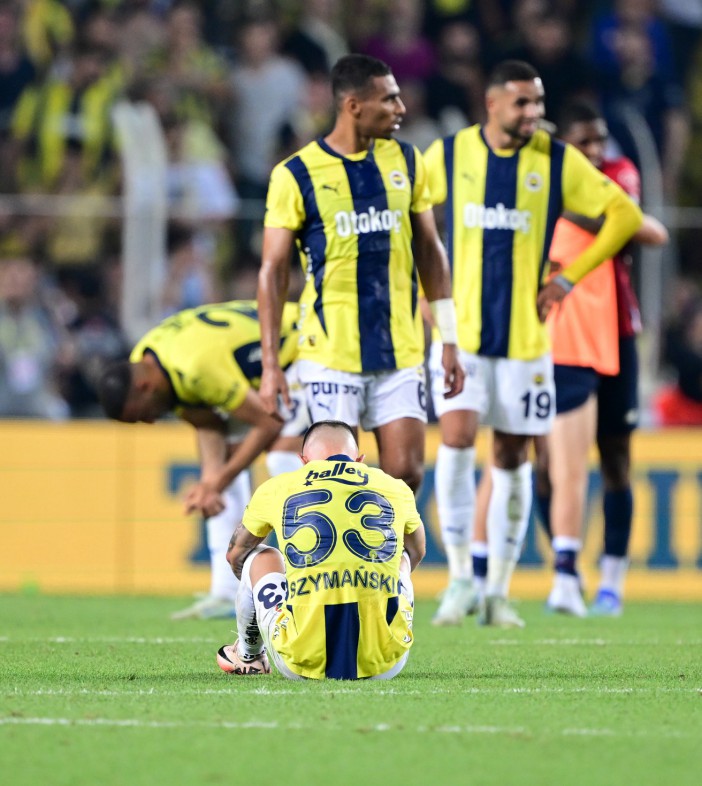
(507, 153)
(330, 150)
(166, 374)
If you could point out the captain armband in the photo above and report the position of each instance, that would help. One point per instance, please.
(444, 313)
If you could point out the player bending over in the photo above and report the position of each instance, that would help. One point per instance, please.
(203, 365)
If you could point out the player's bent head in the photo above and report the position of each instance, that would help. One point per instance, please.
(354, 74)
(114, 388)
(329, 438)
(511, 71)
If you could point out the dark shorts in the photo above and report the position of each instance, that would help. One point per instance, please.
(574, 385)
(618, 397)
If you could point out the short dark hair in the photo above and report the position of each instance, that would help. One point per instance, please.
(352, 73)
(338, 424)
(113, 388)
(579, 111)
(512, 71)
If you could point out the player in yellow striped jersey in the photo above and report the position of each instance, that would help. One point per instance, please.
(355, 202)
(504, 185)
(204, 364)
(336, 601)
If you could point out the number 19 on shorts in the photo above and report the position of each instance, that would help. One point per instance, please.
(536, 404)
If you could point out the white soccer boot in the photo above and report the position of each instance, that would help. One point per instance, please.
(229, 660)
(207, 608)
(459, 599)
(497, 612)
(565, 597)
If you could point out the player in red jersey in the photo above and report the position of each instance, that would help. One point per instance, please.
(583, 126)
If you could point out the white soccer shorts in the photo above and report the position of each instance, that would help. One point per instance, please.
(371, 400)
(512, 396)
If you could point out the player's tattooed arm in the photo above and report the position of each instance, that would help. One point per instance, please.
(240, 546)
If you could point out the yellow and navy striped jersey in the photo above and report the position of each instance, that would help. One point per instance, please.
(212, 354)
(351, 215)
(340, 526)
(501, 210)
(40, 118)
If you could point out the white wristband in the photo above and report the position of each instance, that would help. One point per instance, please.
(563, 282)
(444, 313)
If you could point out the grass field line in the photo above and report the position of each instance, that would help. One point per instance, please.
(263, 690)
(380, 727)
(160, 640)
(113, 640)
(599, 642)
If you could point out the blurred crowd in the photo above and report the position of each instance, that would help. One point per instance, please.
(238, 85)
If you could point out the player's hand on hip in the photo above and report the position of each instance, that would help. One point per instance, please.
(549, 295)
(454, 375)
(274, 386)
(204, 498)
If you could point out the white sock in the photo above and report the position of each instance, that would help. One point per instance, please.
(279, 461)
(223, 582)
(406, 586)
(250, 640)
(566, 543)
(507, 522)
(613, 572)
(454, 480)
(460, 561)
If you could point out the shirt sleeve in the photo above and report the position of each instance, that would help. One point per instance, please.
(421, 196)
(627, 177)
(256, 518)
(589, 192)
(585, 189)
(284, 205)
(436, 172)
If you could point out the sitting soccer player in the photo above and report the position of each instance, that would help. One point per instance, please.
(204, 364)
(337, 600)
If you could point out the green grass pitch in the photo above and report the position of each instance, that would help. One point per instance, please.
(110, 692)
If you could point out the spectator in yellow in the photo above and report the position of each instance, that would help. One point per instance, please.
(198, 73)
(51, 113)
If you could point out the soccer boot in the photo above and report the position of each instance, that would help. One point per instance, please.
(229, 660)
(459, 599)
(606, 604)
(207, 608)
(497, 612)
(565, 597)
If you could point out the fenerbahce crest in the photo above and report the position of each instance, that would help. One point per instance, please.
(398, 179)
(533, 181)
